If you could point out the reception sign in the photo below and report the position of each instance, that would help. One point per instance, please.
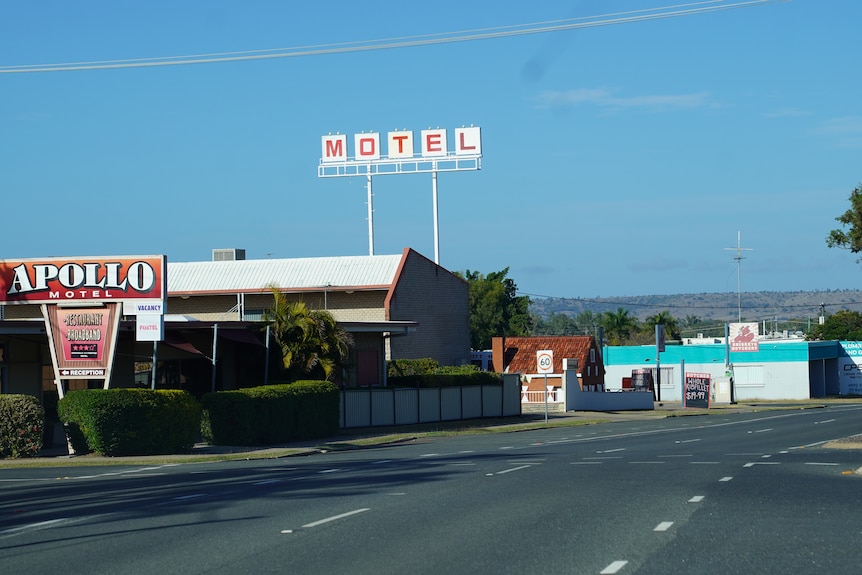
(82, 339)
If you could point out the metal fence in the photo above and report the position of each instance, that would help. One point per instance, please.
(373, 407)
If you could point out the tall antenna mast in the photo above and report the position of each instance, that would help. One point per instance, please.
(739, 259)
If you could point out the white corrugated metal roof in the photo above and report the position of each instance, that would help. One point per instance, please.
(299, 273)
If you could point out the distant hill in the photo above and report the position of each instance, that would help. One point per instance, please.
(756, 306)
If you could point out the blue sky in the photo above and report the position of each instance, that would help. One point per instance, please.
(620, 159)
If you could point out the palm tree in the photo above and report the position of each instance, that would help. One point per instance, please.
(310, 341)
(618, 325)
(664, 318)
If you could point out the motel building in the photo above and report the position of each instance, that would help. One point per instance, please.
(99, 322)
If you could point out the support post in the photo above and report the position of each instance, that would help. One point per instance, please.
(436, 219)
(370, 215)
(215, 351)
(155, 362)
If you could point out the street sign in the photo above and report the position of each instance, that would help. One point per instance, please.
(545, 361)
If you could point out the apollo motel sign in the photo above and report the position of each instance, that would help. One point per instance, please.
(401, 157)
(81, 301)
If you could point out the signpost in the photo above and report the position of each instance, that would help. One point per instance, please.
(545, 365)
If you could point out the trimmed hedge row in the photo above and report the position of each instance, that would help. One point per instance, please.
(131, 421)
(21, 424)
(271, 414)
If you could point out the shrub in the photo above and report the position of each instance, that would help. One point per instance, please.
(21, 424)
(447, 376)
(406, 367)
(131, 421)
(271, 414)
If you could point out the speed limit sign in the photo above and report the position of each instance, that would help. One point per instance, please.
(545, 361)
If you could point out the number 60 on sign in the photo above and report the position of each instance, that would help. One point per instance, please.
(545, 361)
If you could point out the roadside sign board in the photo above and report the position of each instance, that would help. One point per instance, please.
(697, 390)
(545, 361)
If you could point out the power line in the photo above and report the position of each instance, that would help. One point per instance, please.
(673, 11)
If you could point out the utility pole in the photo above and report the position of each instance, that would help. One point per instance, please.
(739, 249)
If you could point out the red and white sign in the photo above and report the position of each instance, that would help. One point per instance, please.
(55, 280)
(744, 336)
(82, 339)
(545, 361)
(401, 144)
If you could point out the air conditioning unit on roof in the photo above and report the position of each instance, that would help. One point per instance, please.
(228, 255)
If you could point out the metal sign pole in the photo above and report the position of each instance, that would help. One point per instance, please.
(436, 222)
(546, 398)
(370, 216)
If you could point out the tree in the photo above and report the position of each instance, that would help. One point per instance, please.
(618, 325)
(664, 318)
(556, 324)
(843, 325)
(852, 238)
(311, 342)
(495, 309)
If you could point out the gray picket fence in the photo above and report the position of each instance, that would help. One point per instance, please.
(373, 407)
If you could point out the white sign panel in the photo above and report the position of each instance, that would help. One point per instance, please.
(400, 144)
(150, 327)
(545, 361)
(334, 148)
(433, 143)
(468, 141)
(151, 306)
(366, 146)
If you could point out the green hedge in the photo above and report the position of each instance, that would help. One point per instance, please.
(21, 424)
(271, 414)
(131, 421)
(447, 376)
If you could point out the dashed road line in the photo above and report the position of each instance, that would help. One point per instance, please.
(613, 568)
(663, 526)
(335, 517)
(696, 499)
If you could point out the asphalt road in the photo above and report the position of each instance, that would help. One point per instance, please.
(735, 493)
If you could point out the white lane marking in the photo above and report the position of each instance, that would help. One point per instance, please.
(816, 463)
(812, 444)
(704, 462)
(430, 455)
(725, 479)
(267, 482)
(329, 471)
(398, 493)
(687, 441)
(527, 461)
(663, 526)
(32, 526)
(508, 447)
(696, 499)
(765, 456)
(753, 463)
(586, 463)
(762, 430)
(287, 531)
(513, 469)
(335, 517)
(466, 451)
(608, 457)
(185, 497)
(648, 462)
(744, 454)
(612, 450)
(613, 568)
(685, 455)
(381, 461)
(824, 421)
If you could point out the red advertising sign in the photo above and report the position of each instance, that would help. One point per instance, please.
(744, 336)
(57, 280)
(82, 339)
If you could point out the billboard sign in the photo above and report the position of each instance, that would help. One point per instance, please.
(58, 280)
(744, 336)
(401, 144)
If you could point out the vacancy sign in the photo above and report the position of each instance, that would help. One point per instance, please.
(545, 361)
